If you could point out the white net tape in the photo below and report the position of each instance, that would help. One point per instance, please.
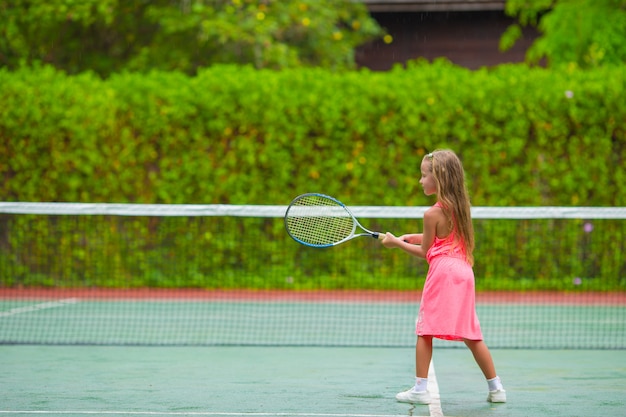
(549, 212)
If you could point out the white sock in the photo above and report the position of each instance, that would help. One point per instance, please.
(421, 384)
(495, 384)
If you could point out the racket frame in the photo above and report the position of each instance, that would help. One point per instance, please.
(355, 223)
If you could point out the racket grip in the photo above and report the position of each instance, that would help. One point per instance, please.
(379, 236)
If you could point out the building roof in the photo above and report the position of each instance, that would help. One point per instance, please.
(433, 5)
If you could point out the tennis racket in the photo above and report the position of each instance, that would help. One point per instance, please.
(322, 221)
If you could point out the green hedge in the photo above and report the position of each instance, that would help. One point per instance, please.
(241, 136)
(235, 135)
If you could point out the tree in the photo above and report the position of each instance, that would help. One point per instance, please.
(112, 35)
(588, 33)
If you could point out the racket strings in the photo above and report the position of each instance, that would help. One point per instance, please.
(319, 221)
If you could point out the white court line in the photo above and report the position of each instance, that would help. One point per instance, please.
(192, 413)
(37, 307)
(433, 387)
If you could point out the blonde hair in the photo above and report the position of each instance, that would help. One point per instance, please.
(452, 194)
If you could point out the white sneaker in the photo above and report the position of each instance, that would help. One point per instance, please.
(497, 396)
(410, 396)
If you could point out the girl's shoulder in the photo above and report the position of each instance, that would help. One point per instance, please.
(435, 208)
(435, 212)
(436, 217)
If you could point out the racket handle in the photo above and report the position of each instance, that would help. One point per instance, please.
(379, 236)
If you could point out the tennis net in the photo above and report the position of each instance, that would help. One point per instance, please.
(127, 274)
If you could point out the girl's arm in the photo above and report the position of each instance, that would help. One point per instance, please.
(432, 217)
(412, 238)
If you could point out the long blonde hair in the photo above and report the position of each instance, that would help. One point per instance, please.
(452, 194)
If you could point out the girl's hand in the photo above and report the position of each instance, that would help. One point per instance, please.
(408, 243)
(390, 241)
(412, 238)
(408, 239)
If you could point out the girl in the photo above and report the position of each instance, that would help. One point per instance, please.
(447, 308)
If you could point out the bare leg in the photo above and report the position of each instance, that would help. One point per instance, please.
(423, 355)
(418, 394)
(483, 357)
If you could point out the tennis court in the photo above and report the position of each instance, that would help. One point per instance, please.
(301, 332)
(226, 354)
(300, 381)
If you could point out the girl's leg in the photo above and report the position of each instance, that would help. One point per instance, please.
(483, 357)
(423, 355)
(419, 394)
(481, 353)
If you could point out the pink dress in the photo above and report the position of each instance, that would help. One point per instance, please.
(447, 310)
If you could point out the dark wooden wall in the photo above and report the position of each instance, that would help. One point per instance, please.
(468, 39)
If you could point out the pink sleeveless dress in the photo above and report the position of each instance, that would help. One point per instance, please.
(447, 310)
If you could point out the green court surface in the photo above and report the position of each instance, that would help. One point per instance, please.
(300, 381)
